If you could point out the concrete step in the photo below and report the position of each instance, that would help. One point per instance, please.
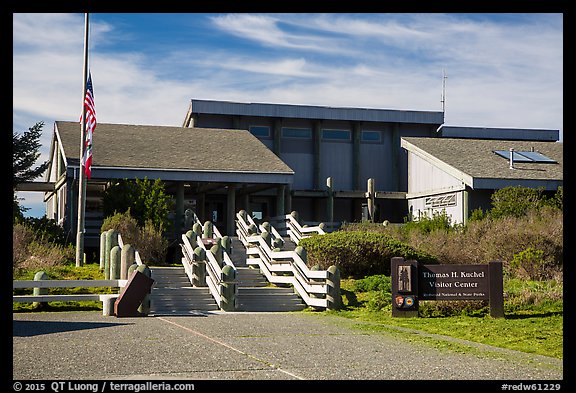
(173, 294)
(268, 299)
(250, 277)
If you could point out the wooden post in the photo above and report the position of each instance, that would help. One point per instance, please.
(333, 283)
(496, 289)
(330, 202)
(370, 199)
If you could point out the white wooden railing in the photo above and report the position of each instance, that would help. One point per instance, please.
(315, 287)
(298, 232)
(214, 274)
(106, 299)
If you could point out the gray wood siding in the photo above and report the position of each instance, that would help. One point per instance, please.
(336, 161)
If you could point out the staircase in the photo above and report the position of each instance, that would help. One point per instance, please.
(254, 291)
(172, 293)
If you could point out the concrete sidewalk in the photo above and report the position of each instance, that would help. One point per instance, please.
(246, 346)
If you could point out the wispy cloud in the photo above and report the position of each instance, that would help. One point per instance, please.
(503, 71)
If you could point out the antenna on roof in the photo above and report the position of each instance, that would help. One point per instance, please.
(443, 101)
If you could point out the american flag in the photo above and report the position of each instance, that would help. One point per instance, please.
(90, 126)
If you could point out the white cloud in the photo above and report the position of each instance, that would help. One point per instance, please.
(499, 74)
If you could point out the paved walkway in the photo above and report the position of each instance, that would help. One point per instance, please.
(241, 346)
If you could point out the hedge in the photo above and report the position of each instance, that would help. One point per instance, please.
(357, 253)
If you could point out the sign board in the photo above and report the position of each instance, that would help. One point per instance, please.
(412, 282)
(453, 282)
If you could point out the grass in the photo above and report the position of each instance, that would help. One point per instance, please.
(533, 322)
(62, 272)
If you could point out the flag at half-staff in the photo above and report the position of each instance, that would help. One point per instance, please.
(90, 126)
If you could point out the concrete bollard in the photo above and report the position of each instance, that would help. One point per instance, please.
(127, 258)
(191, 235)
(208, 230)
(228, 288)
(111, 241)
(102, 249)
(115, 261)
(145, 306)
(199, 268)
(226, 244)
(41, 275)
(108, 305)
(218, 253)
(333, 282)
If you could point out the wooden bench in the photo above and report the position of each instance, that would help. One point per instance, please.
(106, 299)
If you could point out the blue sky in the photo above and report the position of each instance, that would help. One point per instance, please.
(503, 70)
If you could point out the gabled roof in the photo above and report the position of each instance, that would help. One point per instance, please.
(474, 162)
(182, 150)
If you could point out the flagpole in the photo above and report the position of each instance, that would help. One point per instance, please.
(82, 176)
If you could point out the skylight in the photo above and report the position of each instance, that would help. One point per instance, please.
(525, 156)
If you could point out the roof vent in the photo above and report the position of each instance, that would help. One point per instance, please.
(511, 158)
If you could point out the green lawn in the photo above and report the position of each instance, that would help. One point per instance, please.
(533, 322)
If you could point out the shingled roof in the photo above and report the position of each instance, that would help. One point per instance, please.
(166, 148)
(474, 160)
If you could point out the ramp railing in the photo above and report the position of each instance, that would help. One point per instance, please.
(318, 288)
(207, 263)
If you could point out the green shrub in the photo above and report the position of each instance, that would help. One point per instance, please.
(152, 246)
(125, 224)
(358, 254)
(518, 201)
(379, 302)
(377, 282)
(148, 240)
(529, 264)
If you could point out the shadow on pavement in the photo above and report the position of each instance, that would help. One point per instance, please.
(37, 328)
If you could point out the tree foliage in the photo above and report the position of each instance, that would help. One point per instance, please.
(146, 200)
(25, 153)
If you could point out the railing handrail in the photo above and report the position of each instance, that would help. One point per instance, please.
(22, 284)
(212, 279)
(304, 280)
(297, 232)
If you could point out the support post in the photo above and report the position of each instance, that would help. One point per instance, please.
(41, 275)
(330, 201)
(231, 210)
(80, 229)
(179, 218)
(496, 289)
(370, 199)
(333, 283)
(280, 191)
(228, 288)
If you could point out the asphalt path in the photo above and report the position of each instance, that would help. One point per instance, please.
(252, 346)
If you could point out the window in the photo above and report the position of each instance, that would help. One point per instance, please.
(260, 131)
(440, 201)
(289, 132)
(371, 136)
(525, 156)
(340, 135)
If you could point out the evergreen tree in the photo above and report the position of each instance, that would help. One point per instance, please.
(25, 152)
